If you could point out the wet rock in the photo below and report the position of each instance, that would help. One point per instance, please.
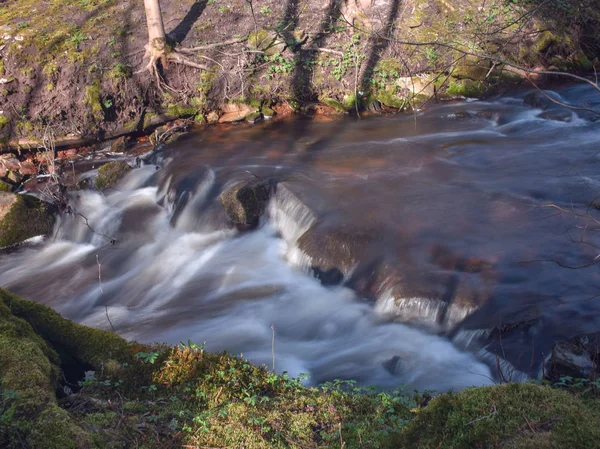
(336, 247)
(23, 217)
(254, 117)
(561, 115)
(120, 145)
(111, 173)
(569, 359)
(540, 100)
(245, 202)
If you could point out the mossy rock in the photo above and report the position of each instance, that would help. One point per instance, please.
(254, 117)
(466, 88)
(29, 373)
(515, 416)
(23, 217)
(5, 186)
(245, 202)
(266, 41)
(111, 173)
(544, 41)
(390, 99)
(334, 104)
(267, 112)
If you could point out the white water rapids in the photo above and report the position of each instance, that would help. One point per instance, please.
(172, 284)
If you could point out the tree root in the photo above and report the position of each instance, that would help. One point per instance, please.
(164, 56)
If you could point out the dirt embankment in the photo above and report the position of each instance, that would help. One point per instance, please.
(77, 67)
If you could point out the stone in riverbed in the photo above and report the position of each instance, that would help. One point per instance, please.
(245, 202)
(22, 217)
(569, 359)
(111, 173)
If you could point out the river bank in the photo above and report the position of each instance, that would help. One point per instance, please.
(89, 388)
(76, 69)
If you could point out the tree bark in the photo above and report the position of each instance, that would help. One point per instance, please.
(157, 38)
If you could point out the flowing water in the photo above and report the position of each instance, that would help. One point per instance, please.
(472, 205)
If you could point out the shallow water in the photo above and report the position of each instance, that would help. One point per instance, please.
(480, 182)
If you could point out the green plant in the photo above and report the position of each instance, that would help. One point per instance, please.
(266, 10)
(147, 357)
(77, 37)
(280, 64)
(432, 55)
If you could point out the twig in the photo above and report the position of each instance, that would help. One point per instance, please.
(102, 291)
(99, 274)
(273, 344)
(215, 45)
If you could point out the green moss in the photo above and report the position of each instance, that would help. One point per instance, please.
(29, 373)
(581, 61)
(390, 99)
(207, 81)
(333, 103)
(92, 99)
(3, 121)
(26, 217)
(466, 88)
(5, 186)
(253, 117)
(390, 65)
(506, 416)
(260, 39)
(25, 127)
(149, 118)
(267, 112)
(111, 173)
(181, 110)
(543, 41)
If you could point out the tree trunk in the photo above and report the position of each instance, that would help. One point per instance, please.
(156, 29)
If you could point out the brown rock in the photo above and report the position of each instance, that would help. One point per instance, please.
(212, 117)
(235, 112)
(8, 162)
(245, 202)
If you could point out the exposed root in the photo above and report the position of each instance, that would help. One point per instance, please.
(165, 56)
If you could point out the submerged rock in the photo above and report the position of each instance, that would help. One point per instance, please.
(245, 202)
(22, 217)
(111, 173)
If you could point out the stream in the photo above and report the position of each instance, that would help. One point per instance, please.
(479, 220)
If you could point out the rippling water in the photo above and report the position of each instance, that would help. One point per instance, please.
(495, 185)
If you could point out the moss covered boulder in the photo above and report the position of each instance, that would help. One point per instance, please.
(245, 202)
(111, 173)
(5, 186)
(515, 416)
(23, 217)
(29, 373)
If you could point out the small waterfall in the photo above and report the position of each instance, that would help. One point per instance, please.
(290, 215)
